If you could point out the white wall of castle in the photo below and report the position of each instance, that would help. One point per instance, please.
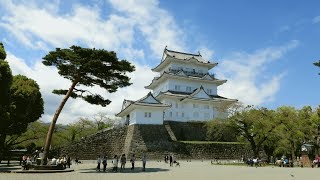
(146, 115)
(190, 110)
(185, 86)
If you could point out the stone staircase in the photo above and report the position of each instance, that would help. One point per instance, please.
(170, 132)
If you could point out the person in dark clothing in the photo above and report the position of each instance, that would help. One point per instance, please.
(98, 163)
(132, 160)
(171, 160)
(68, 161)
(104, 163)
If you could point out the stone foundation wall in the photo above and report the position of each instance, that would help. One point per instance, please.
(188, 131)
(153, 140)
(106, 142)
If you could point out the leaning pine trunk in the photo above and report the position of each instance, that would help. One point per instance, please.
(54, 120)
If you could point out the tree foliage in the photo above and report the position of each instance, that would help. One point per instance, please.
(317, 64)
(220, 130)
(87, 67)
(277, 132)
(254, 126)
(20, 103)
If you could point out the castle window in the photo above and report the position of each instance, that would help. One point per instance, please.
(147, 114)
(195, 105)
(188, 89)
(170, 114)
(182, 114)
(209, 91)
(177, 105)
(177, 87)
(177, 114)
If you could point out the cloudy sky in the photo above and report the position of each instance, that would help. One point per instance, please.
(265, 49)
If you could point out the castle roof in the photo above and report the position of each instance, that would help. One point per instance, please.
(169, 56)
(197, 94)
(184, 75)
(148, 100)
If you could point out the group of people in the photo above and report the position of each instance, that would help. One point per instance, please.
(64, 161)
(171, 160)
(27, 161)
(123, 161)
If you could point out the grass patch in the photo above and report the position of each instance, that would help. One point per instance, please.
(209, 142)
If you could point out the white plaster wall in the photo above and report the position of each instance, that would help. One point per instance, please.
(162, 87)
(193, 84)
(132, 119)
(156, 116)
(188, 110)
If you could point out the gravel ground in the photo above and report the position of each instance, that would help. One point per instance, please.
(195, 170)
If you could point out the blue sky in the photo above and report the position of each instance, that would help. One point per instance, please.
(265, 49)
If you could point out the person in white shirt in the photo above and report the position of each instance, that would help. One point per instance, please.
(115, 163)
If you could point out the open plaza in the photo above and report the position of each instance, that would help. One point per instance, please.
(194, 170)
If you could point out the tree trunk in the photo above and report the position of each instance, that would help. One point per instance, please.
(54, 120)
(2, 145)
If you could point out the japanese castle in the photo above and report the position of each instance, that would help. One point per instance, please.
(184, 91)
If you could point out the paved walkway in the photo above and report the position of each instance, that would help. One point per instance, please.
(195, 170)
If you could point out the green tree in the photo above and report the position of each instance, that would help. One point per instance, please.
(87, 67)
(102, 121)
(20, 103)
(298, 127)
(5, 84)
(254, 126)
(317, 64)
(220, 130)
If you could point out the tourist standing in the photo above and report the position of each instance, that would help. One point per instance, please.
(144, 161)
(123, 161)
(132, 160)
(115, 163)
(98, 163)
(104, 163)
(171, 160)
(68, 161)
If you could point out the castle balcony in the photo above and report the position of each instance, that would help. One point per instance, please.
(190, 73)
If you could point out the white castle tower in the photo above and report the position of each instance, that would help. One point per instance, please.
(184, 91)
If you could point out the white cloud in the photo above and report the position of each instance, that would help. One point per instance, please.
(49, 79)
(243, 70)
(316, 19)
(206, 53)
(41, 27)
(38, 26)
(157, 25)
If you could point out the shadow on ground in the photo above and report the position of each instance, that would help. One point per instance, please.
(129, 171)
(7, 169)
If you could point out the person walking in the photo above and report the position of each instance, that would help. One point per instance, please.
(98, 163)
(115, 163)
(132, 160)
(171, 160)
(104, 163)
(123, 161)
(144, 161)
